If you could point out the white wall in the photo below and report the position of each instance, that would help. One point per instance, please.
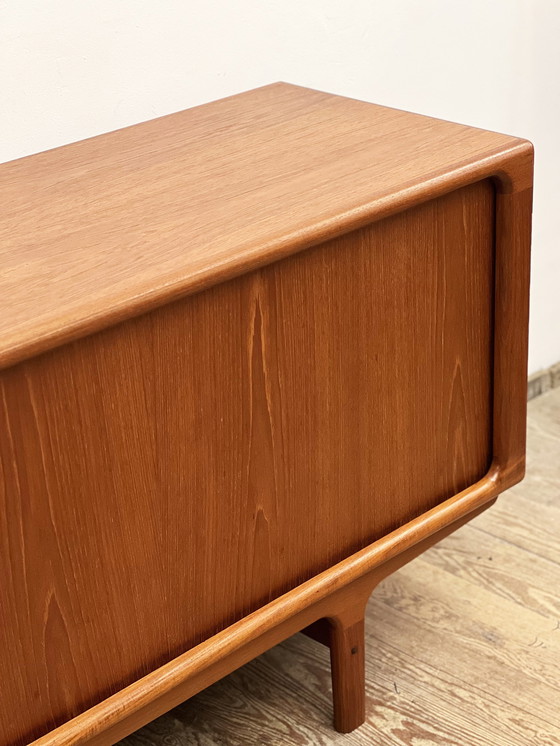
(70, 69)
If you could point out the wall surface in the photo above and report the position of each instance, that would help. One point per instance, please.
(71, 70)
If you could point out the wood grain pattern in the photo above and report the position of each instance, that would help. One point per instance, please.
(243, 434)
(237, 456)
(284, 697)
(104, 229)
(347, 647)
(338, 591)
(459, 666)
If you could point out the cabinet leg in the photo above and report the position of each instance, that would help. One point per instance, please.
(348, 674)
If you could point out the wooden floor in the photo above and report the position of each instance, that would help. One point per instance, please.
(463, 644)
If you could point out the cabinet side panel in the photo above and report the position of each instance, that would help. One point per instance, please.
(165, 477)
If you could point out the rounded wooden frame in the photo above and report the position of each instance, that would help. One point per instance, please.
(341, 592)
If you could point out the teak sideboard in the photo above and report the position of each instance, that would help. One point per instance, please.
(254, 357)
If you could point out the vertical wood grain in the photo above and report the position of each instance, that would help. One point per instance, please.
(481, 606)
(347, 651)
(513, 264)
(165, 477)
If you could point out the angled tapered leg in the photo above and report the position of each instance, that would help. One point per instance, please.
(348, 674)
(342, 630)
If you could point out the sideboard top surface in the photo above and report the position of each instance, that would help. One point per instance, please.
(103, 229)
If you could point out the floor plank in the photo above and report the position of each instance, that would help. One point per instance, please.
(463, 644)
(476, 555)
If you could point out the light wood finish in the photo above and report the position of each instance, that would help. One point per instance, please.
(104, 229)
(258, 455)
(462, 645)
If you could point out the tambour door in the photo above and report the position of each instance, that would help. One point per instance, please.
(166, 476)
